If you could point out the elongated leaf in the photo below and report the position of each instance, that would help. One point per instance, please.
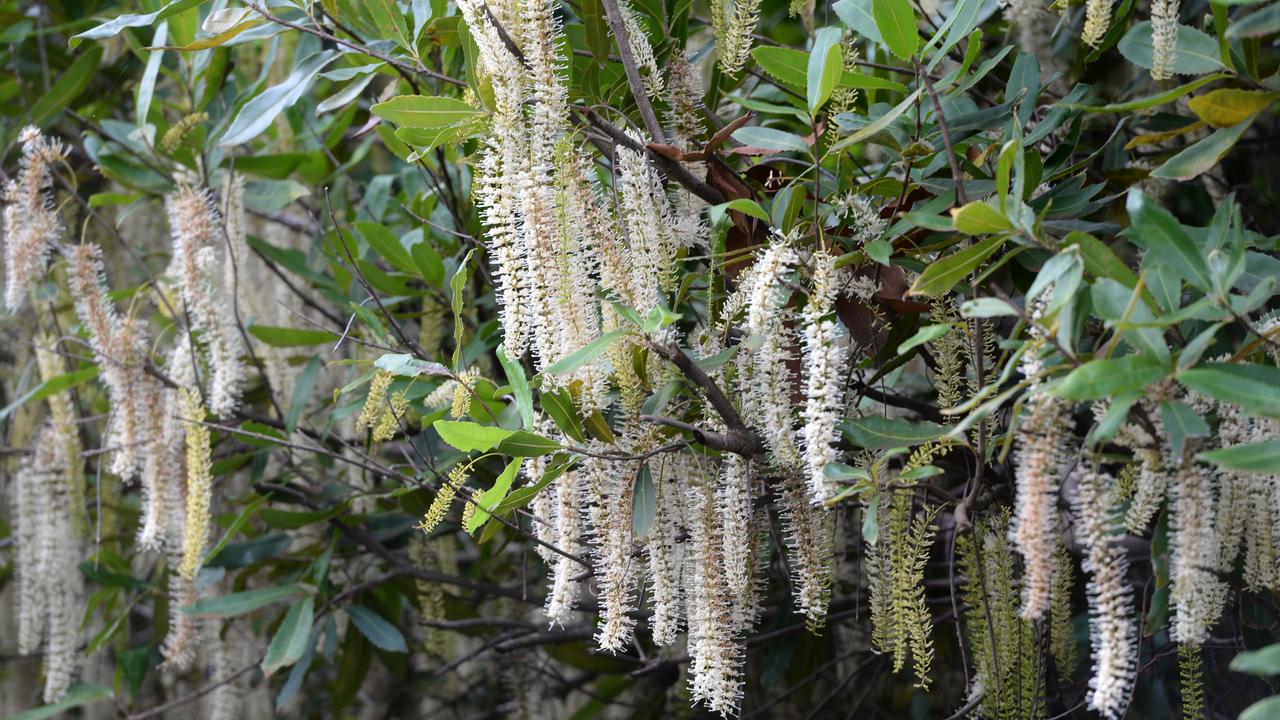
(378, 631)
(409, 366)
(469, 436)
(979, 218)
(770, 139)
(291, 337)
(50, 387)
(1267, 709)
(1256, 24)
(115, 26)
(1162, 235)
(578, 358)
(1102, 378)
(71, 83)
(242, 602)
(824, 69)
(390, 21)
(258, 114)
(896, 22)
(527, 444)
(424, 112)
(942, 274)
(1156, 100)
(1255, 388)
(881, 122)
(1263, 457)
(493, 496)
(1201, 157)
(78, 695)
(875, 432)
(292, 637)
(519, 387)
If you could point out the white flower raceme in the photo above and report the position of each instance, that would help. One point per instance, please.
(641, 49)
(1041, 452)
(611, 485)
(31, 223)
(734, 23)
(1164, 37)
(1196, 594)
(733, 506)
(765, 378)
(716, 667)
(119, 347)
(646, 217)
(825, 355)
(684, 120)
(661, 549)
(50, 584)
(199, 255)
(808, 533)
(568, 531)
(199, 482)
(1113, 633)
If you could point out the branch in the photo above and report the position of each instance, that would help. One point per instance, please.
(732, 441)
(946, 135)
(671, 168)
(619, 27)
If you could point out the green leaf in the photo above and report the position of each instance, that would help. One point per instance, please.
(1102, 378)
(770, 139)
(51, 386)
(1265, 661)
(559, 405)
(582, 356)
(1267, 709)
(1256, 24)
(942, 274)
(519, 383)
(390, 21)
(387, 246)
(291, 337)
(1255, 388)
(746, 206)
(292, 637)
(1100, 260)
(425, 112)
(825, 67)
(987, 307)
(258, 114)
(926, 334)
(407, 365)
(1263, 457)
(236, 525)
(457, 283)
(596, 27)
(1202, 156)
(78, 695)
(1156, 100)
(242, 602)
(787, 65)
(114, 27)
(875, 432)
(527, 444)
(881, 122)
(1162, 235)
(1181, 422)
(1196, 53)
(644, 503)
(871, 520)
(468, 436)
(896, 22)
(521, 497)
(493, 496)
(378, 631)
(979, 218)
(71, 83)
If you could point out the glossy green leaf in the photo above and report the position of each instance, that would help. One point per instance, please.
(875, 432)
(1263, 457)
(468, 436)
(493, 496)
(376, 630)
(258, 114)
(1255, 388)
(896, 21)
(291, 337)
(825, 67)
(241, 603)
(291, 638)
(425, 112)
(1196, 53)
(942, 274)
(1102, 378)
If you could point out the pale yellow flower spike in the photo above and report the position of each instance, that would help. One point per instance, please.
(199, 482)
